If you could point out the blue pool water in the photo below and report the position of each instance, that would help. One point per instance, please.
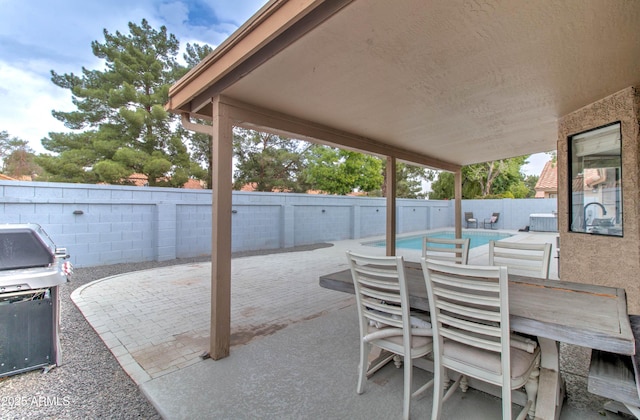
(477, 239)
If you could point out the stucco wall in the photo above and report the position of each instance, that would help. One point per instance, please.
(593, 259)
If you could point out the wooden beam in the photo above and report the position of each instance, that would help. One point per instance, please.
(185, 118)
(457, 176)
(222, 150)
(257, 118)
(391, 206)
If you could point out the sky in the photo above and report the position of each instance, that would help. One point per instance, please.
(37, 36)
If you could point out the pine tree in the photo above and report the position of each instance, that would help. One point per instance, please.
(17, 158)
(201, 151)
(267, 161)
(120, 123)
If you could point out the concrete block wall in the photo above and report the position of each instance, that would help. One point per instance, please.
(193, 230)
(372, 220)
(106, 224)
(256, 227)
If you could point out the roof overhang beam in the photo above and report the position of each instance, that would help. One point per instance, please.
(256, 118)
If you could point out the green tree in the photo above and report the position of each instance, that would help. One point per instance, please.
(120, 114)
(201, 152)
(497, 176)
(500, 178)
(194, 54)
(442, 187)
(337, 171)
(8, 145)
(270, 162)
(531, 181)
(408, 180)
(16, 157)
(519, 190)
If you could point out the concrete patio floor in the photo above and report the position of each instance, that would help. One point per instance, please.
(294, 344)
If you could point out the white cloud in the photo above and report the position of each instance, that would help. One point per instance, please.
(536, 164)
(38, 36)
(28, 100)
(239, 11)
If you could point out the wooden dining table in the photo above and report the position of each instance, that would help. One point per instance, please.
(553, 310)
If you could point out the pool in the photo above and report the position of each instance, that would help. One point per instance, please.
(415, 242)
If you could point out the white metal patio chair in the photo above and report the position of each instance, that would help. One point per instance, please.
(471, 335)
(453, 250)
(382, 298)
(531, 260)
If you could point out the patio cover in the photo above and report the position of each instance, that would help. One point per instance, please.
(442, 84)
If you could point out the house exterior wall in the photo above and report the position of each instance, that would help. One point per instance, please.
(605, 260)
(130, 224)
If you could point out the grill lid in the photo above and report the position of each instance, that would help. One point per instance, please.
(23, 247)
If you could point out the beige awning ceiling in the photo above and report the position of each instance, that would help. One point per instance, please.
(460, 81)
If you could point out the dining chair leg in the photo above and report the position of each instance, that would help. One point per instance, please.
(362, 369)
(397, 361)
(506, 403)
(438, 390)
(408, 370)
(464, 383)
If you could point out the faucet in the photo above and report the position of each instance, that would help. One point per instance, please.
(584, 220)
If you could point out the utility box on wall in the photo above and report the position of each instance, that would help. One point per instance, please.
(601, 240)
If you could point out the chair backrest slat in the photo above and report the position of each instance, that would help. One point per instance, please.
(472, 341)
(462, 282)
(470, 312)
(379, 295)
(488, 330)
(467, 297)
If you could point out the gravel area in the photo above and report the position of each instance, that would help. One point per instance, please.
(90, 382)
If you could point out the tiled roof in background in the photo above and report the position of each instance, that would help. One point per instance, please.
(548, 180)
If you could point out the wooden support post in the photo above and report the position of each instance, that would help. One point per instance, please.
(391, 206)
(457, 176)
(222, 150)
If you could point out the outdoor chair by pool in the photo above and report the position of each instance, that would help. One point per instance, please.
(531, 260)
(382, 299)
(468, 217)
(452, 250)
(492, 221)
(471, 334)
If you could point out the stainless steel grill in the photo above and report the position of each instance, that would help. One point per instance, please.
(31, 270)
